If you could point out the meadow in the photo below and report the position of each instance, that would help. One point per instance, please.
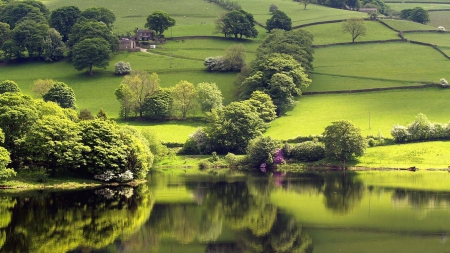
(440, 18)
(426, 6)
(405, 25)
(442, 40)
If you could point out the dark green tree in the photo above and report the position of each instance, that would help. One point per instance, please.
(279, 20)
(260, 150)
(11, 13)
(29, 35)
(61, 94)
(343, 141)
(90, 53)
(159, 21)
(91, 29)
(237, 23)
(100, 14)
(419, 15)
(158, 105)
(5, 33)
(63, 18)
(52, 46)
(9, 86)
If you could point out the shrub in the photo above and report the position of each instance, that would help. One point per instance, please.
(190, 147)
(260, 150)
(420, 129)
(232, 160)
(215, 63)
(287, 148)
(122, 68)
(308, 151)
(85, 114)
(438, 131)
(400, 133)
(371, 142)
(9, 86)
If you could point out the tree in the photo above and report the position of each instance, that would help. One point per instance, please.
(209, 96)
(122, 68)
(125, 97)
(282, 90)
(273, 8)
(100, 14)
(296, 43)
(30, 35)
(305, 3)
(419, 15)
(140, 85)
(90, 29)
(9, 86)
(237, 23)
(13, 12)
(233, 126)
(89, 53)
(343, 141)
(53, 47)
(42, 86)
(279, 20)
(263, 105)
(355, 27)
(5, 159)
(260, 150)
(184, 98)
(63, 18)
(234, 57)
(159, 21)
(10, 48)
(5, 33)
(158, 105)
(61, 94)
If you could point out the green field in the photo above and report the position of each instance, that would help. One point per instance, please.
(440, 18)
(442, 40)
(405, 25)
(386, 108)
(427, 6)
(332, 33)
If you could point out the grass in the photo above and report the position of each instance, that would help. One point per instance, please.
(171, 131)
(29, 180)
(425, 155)
(332, 33)
(440, 18)
(386, 108)
(427, 6)
(405, 25)
(442, 40)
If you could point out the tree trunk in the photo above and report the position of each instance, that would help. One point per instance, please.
(90, 70)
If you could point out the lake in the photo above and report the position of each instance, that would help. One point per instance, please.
(378, 211)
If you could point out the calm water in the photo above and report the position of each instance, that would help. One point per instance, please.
(331, 212)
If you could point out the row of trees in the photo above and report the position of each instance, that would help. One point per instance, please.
(40, 134)
(422, 129)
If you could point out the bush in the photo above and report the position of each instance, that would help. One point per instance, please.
(308, 151)
(215, 63)
(85, 114)
(9, 86)
(420, 129)
(232, 160)
(400, 133)
(371, 142)
(260, 151)
(122, 68)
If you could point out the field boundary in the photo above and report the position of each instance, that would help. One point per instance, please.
(358, 42)
(306, 93)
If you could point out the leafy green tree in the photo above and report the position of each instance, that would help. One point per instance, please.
(90, 29)
(184, 98)
(5, 173)
(209, 96)
(10, 49)
(42, 86)
(30, 35)
(18, 113)
(282, 90)
(237, 23)
(139, 158)
(296, 43)
(124, 95)
(5, 33)
(100, 14)
(141, 85)
(232, 128)
(355, 27)
(343, 141)
(11, 13)
(9, 86)
(234, 57)
(89, 53)
(260, 150)
(39, 5)
(53, 47)
(61, 94)
(159, 21)
(54, 143)
(279, 20)
(63, 18)
(420, 129)
(263, 105)
(405, 13)
(419, 15)
(158, 105)
(102, 114)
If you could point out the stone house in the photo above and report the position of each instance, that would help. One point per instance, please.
(127, 44)
(144, 35)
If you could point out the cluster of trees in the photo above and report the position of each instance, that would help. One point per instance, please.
(42, 134)
(417, 14)
(233, 60)
(140, 95)
(422, 129)
(236, 23)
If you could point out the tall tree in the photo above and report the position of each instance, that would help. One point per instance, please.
(61, 94)
(30, 35)
(63, 18)
(343, 141)
(419, 15)
(279, 20)
(209, 96)
(355, 27)
(159, 104)
(89, 53)
(90, 29)
(52, 46)
(237, 23)
(159, 21)
(100, 14)
(13, 12)
(184, 98)
(5, 33)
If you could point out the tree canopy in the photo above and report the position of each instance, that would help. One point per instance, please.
(61, 94)
(159, 21)
(90, 53)
(90, 29)
(355, 27)
(343, 141)
(237, 23)
(100, 14)
(279, 20)
(63, 18)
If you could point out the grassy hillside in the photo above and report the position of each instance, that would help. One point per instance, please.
(442, 40)
(405, 25)
(427, 6)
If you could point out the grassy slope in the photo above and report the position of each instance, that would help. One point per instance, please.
(427, 6)
(442, 40)
(405, 25)
(332, 33)
(440, 18)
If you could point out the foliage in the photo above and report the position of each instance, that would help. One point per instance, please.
(102, 114)
(85, 114)
(308, 151)
(209, 96)
(232, 128)
(122, 68)
(9, 86)
(273, 8)
(234, 57)
(184, 98)
(100, 14)
(197, 143)
(5, 33)
(263, 105)
(91, 29)
(13, 12)
(61, 94)
(5, 173)
(343, 141)
(159, 21)
(355, 27)
(227, 4)
(52, 46)
(89, 53)
(158, 105)
(279, 20)
(237, 23)
(232, 160)
(63, 18)
(296, 43)
(29, 35)
(400, 133)
(417, 14)
(124, 95)
(42, 86)
(154, 143)
(420, 129)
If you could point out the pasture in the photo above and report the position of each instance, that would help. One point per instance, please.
(426, 6)
(405, 25)
(440, 18)
(442, 40)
